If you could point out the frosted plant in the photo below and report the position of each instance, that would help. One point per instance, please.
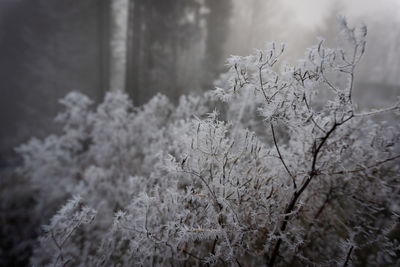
(291, 172)
(327, 139)
(104, 155)
(58, 160)
(57, 246)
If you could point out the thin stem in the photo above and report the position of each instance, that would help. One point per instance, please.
(348, 256)
(208, 187)
(312, 114)
(156, 240)
(261, 84)
(326, 201)
(281, 158)
(366, 168)
(376, 112)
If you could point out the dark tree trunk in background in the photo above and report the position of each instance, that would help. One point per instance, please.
(51, 47)
(136, 8)
(158, 31)
(103, 34)
(217, 33)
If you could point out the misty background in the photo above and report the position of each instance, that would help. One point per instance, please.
(51, 47)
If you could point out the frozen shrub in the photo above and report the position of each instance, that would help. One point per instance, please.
(57, 245)
(292, 172)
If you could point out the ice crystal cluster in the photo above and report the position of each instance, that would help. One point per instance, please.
(286, 171)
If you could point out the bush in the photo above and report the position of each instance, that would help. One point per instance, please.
(294, 175)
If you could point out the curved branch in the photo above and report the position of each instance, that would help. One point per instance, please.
(281, 158)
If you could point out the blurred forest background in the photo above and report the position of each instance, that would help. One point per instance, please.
(50, 47)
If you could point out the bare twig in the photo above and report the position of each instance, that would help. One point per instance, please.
(208, 187)
(281, 158)
(376, 112)
(348, 256)
(312, 114)
(366, 168)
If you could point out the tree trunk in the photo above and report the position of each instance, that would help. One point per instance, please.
(118, 43)
(134, 50)
(104, 37)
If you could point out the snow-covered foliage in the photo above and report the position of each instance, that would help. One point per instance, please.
(290, 173)
(58, 240)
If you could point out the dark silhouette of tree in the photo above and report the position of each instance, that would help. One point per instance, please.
(217, 33)
(158, 32)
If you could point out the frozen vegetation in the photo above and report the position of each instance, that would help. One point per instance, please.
(276, 166)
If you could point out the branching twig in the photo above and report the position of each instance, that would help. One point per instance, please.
(297, 194)
(367, 167)
(208, 187)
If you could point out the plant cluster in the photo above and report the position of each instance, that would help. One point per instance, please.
(290, 172)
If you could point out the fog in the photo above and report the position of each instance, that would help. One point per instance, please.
(48, 48)
(299, 166)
